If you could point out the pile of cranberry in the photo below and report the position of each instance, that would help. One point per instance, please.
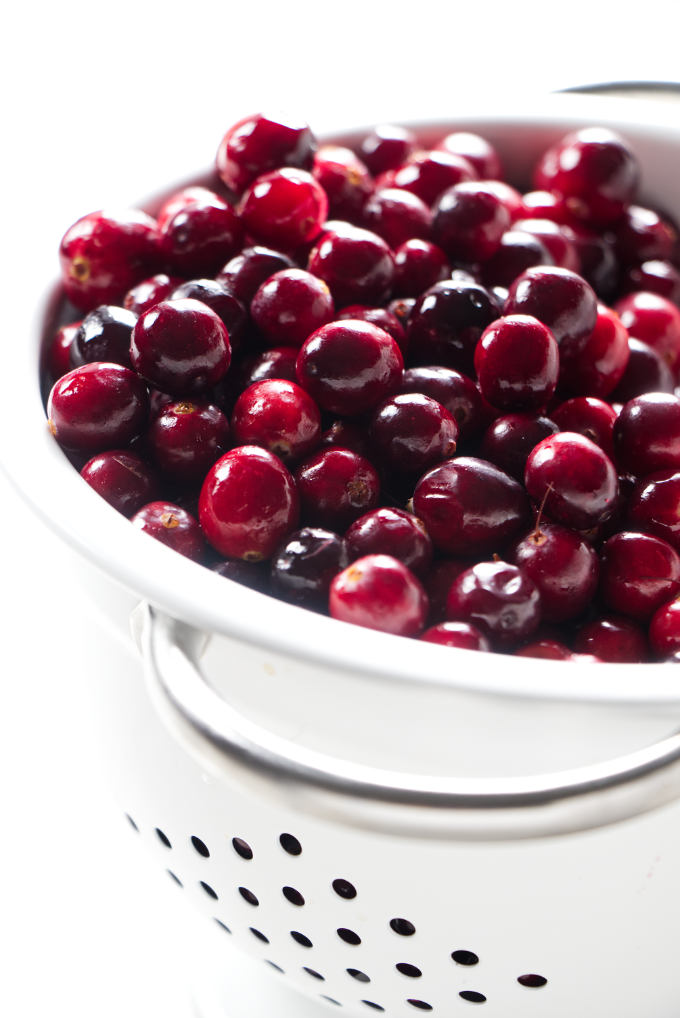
(386, 384)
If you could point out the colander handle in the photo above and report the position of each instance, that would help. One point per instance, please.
(480, 809)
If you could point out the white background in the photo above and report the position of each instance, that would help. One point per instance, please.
(103, 104)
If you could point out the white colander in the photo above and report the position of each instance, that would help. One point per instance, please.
(388, 826)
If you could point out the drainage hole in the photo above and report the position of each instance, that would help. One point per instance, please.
(473, 996)
(465, 957)
(275, 966)
(248, 896)
(421, 1004)
(349, 936)
(403, 927)
(290, 844)
(344, 889)
(358, 974)
(408, 970)
(371, 1003)
(242, 848)
(259, 935)
(175, 878)
(200, 846)
(163, 838)
(293, 896)
(301, 939)
(223, 926)
(131, 822)
(532, 979)
(210, 891)
(314, 973)
(331, 1000)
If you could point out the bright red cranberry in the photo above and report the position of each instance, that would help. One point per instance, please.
(560, 299)
(594, 170)
(517, 363)
(386, 147)
(290, 306)
(345, 179)
(180, 347)
(547, 650)
(409, 433)
(102, 255)
(563, 566)
(357, 264)
(595, 365)
(639, 573)
(469, 506)
(149, 292)
(499, 599)
(258, 143)
(654, 320)
(614, 639)
(418, 265)
(345, 434)
(455, 391)
(104, 335)
(123, 478)
(456, 634)
(654, 276)
(664, 630)
(646, 371)
(599, 265)
(350, 366)
(396, 215)
(286, 208)
(219, 299)
(469, 221)
(278, 415)
(428, 174)
(304, 566)
(558, 240)
(654, 506)
(477, 150)
(246, 272)
(509, 439)
(384, 319)
(574, 478)
(172, 526)
(59, 351)
(336, 486)
(388, 531)
(185, 439)
(201, 235)
(546, 205)
(590, 417)
(647, 434)
(97, 407)
(278, 362)
(643, 234)
(446, 323)
(379, 592)
(518, 250)
(248, 504)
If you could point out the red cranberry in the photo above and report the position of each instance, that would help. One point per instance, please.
(350, 366)
(595, 365)
(614, 639)
(655, 321)
(469, 506)
(286, 208)
(508, 441)
(456, 634)
(447, 321)
(547, 650)
(560, 299)
(418, 265)
(499, 599)
(428, 174)
(102, 255)
(386, 147)
(277, 362)
(646, 371)
(379, 592)
(556, 238)
(654, 506)
(410, 433)
(384, 319)
(643, 234)
(172, 526)
(259, 143)
(180, 347)
(387, 531)
(346, 434)
(541, 204)
(345, 179)
(469, 221)
(201, 235)
(121, 477)
(336, 486)
(97, 407)
(396, 216)
(562, 565)
(149, 292)
(59, 352)
(246, 272)
(590, 417)
(517, 363)
(647, 434)
(509, 196)
(477, 150)
(574, 478)
(290, 306)
(639, 573)
(185, 439)
(304, 566)
(664, 630)
(221, 301)
(455, 391)
(654, 276)
(518, 250)
(357, 265)
(104, 335)
(248, 504)
(401, 308)
(278, 415)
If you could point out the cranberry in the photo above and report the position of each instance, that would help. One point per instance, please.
(469, 506)
(102, 255)
(394, 532)
(278, 415)
(379, 592)
(562, 565)
(201, 235)
(547, 650)
(185, 439)
(277, 362)
(121, 477)
(447, 321)
(290, 305)
(396, 216)
(654, 506)
(517, 363)
(180, 347)
(357, 265)
(647, 434)
(509, 197)
(221, 301)
(349, 366)
(409, 433)
(401, 308)
(518, 250)
(246, 272)
(558, 239)
(149, 292)
(345, 179)
(646, 371)
(304, 566)
(477, 150)
(248, 504)
(455, 391)
(654, 276)
(664, 630)
(508, 441)
(173, 526)
(590, 417)
(560, 299)
(643, 234)
(386, 147)
(428, 174)
(599, 265)
(384, 319)
(499, 599)
(541, 204)
(97, 407)
(336, 486)
(654, 320)
(595, 365)
(438, 582)
(259, 143)
(456, 634)
(639, 574)
(104, 335)
(418, 264)
(575, 479)
(469, 221)
(286, 207)
(59, 352)
(346, 434)
(614, 639)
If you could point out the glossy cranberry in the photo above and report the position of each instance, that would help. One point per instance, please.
(386, 147)
(246, 272)
(547, 650)
(643, 234)
(379, 592)
(654, 276)
(541, 204)
(290, 306)
(477, 150)
(427, 174)
(357, 265)
(180, 347)
(499, 599)
(654, 506)
(646, 371)
(397, 215)
(588, 416)
(664, 630)
(647, 434)
(639, 573)
(350, 366)
(123, 478)
(97, 407)
(201, 235)
(469, 222)
(455, 391)
(248, 504)
(447, 321)
(384, 319)
(560, 299)
(345, 179)
(149, 292)
(517, 363)
(563, 566)
(103, 254)
(594, 170)
(104, 335)
(388, 531)
(469, 506)
(557, 238)
(220, 300)
(599, 265)
(509, 197)
(277, 362)
(418, 265)
(255, 575)
(594, 365)
(409, 433)
(345, 434)
(574, 478)
(654, 320)
(509, 439)
(259, 143)
(336, 487)
(172, 526)
(614, 639)
(59, 351)
(286, 208)
(456, 634)
(518, 250)
(304, 566)
(185, 439)
(278, 415)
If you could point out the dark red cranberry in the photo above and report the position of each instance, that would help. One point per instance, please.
(560, 299)
(614, 639)
(499, 599)
(248, 504)
(509, 197)
(246, 272)
(409, 433)
(384, 319)
(574, 479)
(59, 352)
(345, 434)
(654, 506)
(646, 371)
(357, 264)
(350, 366)
(336, 487)
(304, 566)
(345, 179)
(397, 215)
(259, 143)
(509, 439)
(221, 301)
(654, 320)
(446, 323)
(590, 417)
(469, 506)
(599, 265)
(172, 526)
(97, 407)
(181, 347)
(455, 391)
(149, 292)
(255, 575)
(642, 234)
(123, 478)
(647, 434)
(387, 531)
(563, 566)
(379, 592)
(456, 634)
(286, 208)
(103, 255)
(290, 306)
(517, 363)
(278, 362)
(547, 650)
(469, 221)
(418, 265)
(104, 335)
(594, 365)
(558, 240)
(477, 150)
(278, 415)
(185, 439)
(655, 276)
(518, 251)
(639, 573)
(594, 170)
(664, 630)
(427, 174)
(386, 147)
(438, 582)
(201, 235)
